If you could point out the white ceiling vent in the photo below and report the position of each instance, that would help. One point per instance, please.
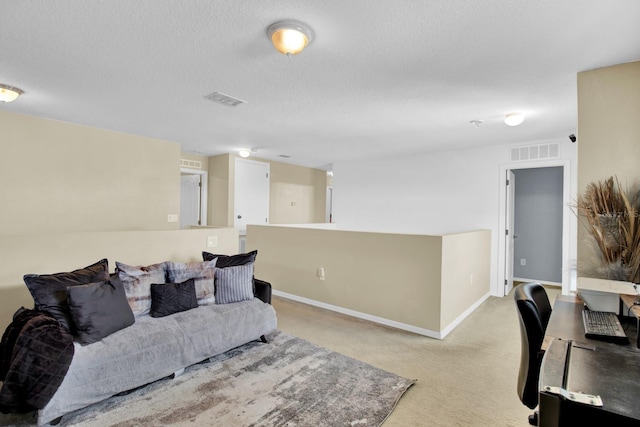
(223, 99)
(193, 164)
(535, 152)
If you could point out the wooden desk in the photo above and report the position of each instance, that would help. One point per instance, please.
(608, 372)
(566, 323)
(575, 363)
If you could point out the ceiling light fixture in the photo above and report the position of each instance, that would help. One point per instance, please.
(246, 152)
(9, 93)
(290, 37)
(513, 119)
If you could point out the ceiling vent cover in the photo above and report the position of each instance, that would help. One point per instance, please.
(224, 99)
(535, 152)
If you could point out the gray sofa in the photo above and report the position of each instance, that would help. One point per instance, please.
(154, 348)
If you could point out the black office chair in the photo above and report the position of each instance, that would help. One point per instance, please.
(534, 311)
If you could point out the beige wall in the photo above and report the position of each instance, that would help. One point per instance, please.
(221, 184)
(466, 261)
(297, 194)
(55, 252)
(397, 277)
(608, 132)
(61, 177)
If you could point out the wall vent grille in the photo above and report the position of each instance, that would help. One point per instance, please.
(535, 152)
(193, 164)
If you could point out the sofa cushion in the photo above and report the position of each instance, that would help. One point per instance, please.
(137, 282)
(203, 275)
(99, 309)
(173, 298)
(231, 260)
(234, 284)
(49, 291)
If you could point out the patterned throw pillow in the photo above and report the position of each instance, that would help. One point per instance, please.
(203, 275)
(137, 282)
(235, 284)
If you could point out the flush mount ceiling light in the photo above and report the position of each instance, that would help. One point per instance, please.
(9, 93)
(290, 37)
(513, 119)
(246, 152)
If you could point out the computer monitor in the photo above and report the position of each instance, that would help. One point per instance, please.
(604, 294)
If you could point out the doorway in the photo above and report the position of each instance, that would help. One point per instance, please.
(251, 195)
(508, 245)
(193, 197)
(537, 228)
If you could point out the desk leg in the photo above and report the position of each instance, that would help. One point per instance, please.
(638, 332)
(549, 410)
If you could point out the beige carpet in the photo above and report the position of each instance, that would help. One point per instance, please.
(467, 379)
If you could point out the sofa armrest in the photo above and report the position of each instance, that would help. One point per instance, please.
(262, 290)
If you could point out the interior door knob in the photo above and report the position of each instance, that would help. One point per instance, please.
(239, 216)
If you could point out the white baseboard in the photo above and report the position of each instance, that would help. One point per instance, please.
(381, 320)
(451, 326)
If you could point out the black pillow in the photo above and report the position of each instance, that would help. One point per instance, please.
(49, 291)
(99, 309)
(230, 260)
(170, 298)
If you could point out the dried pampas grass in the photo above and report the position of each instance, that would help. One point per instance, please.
(610, 214)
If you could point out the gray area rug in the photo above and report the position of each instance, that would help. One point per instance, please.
(287, 382)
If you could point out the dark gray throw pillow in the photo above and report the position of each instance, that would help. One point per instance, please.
(99, 309)
(49, 291)
(170, 298)
(230, 260)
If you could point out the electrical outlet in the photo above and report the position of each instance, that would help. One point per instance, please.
(212, 241)
(172, 218)
(320, 273)
(523, 261)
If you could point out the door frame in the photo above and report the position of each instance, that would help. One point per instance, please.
(509, 237)
(569, 245)
(204, 191)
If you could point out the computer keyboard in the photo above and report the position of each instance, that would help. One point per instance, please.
(603, 325)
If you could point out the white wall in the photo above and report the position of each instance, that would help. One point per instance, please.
(430, 193)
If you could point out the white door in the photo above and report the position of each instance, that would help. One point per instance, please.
(251, 194)
(189, 200)
(509, 236)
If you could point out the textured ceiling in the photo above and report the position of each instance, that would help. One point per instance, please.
(381, 78)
